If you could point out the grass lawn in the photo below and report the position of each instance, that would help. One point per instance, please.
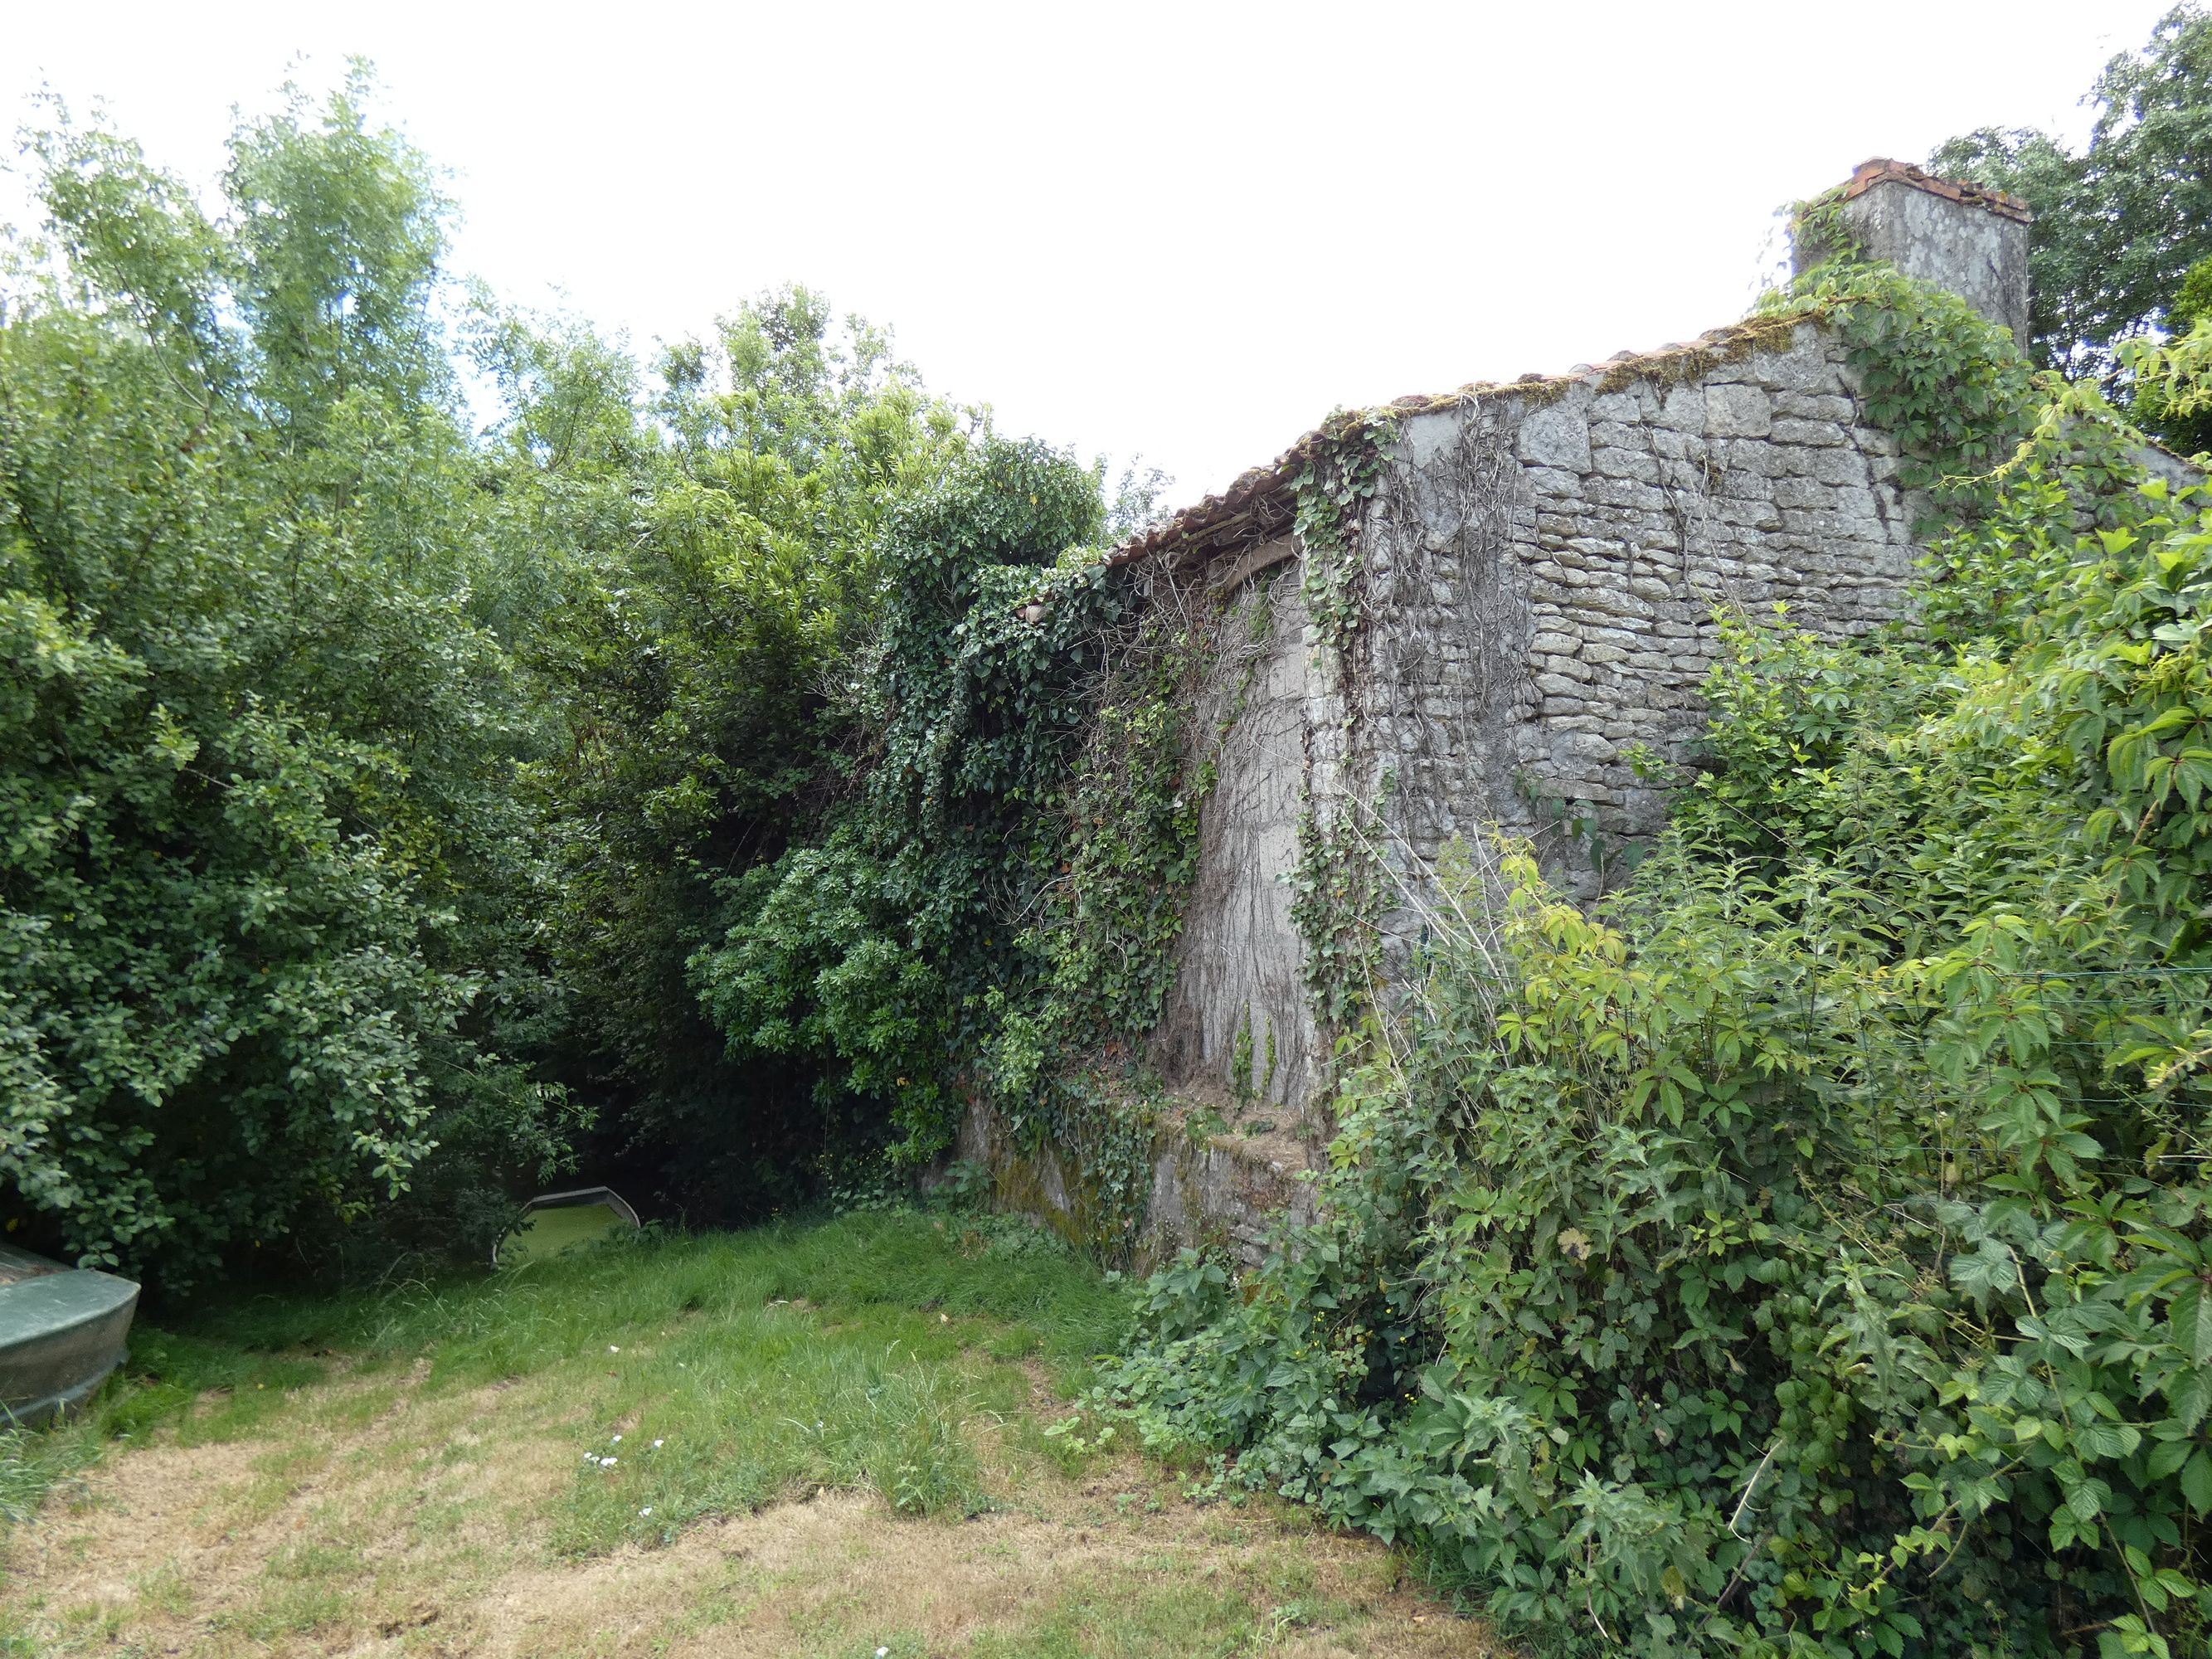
(822, 1440)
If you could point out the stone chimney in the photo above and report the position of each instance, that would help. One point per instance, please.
(1968, 239)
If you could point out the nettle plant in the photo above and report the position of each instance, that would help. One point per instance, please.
(1809, 1253)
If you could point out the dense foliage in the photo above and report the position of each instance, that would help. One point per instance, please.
(728, 773)
(258, 843)
(718, 557)
(1805, 1254)
(677, 770)
(995, 903)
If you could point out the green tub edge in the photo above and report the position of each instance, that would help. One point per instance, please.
(61, 1334)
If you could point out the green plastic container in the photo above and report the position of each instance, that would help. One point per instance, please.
(554, 1222)
(62, 1330)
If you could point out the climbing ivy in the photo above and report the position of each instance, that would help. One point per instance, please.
(1067, 1069)
(1131, 845)
(1947, 384)
(993, 913)
(1342, 467)
(1336, 888)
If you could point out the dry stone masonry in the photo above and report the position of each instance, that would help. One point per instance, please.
(1544, 564)
(1546, 574)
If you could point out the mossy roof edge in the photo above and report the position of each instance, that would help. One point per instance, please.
(1261, 499)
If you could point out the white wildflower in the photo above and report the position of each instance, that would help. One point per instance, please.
(611, 1348)
(657, 1444)
(616, 1441)
(609, 1462)
(647, 1510)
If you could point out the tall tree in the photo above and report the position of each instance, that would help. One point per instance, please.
(261, 857)
(2119, 225)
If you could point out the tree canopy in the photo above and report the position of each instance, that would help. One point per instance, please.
(2118, 226)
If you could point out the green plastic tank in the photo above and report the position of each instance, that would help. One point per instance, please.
(62, 1331)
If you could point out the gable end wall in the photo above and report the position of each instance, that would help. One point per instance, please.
(1543, 574)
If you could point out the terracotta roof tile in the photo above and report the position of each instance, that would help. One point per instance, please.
(1868, 174)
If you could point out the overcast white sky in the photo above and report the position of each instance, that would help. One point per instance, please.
(1185, 229)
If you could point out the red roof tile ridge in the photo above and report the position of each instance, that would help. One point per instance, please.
(1869, 173)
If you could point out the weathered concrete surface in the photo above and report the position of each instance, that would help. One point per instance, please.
(1239, 988)
(1228, 1190)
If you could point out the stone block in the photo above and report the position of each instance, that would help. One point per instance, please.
(1804, 368)
(1612, 602)
(1426, 437)
(1819, 435)
(1623, 463)
(1682, 410)
(1839, 466)
(1557, 437)
(1737, 412)
(1624, 493)
(1583, 746)
(1816, 406)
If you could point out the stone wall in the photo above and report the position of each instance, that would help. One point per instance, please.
(1544, 570)
(1546, 578)
(1543, 565)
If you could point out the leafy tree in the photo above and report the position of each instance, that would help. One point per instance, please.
(721, 578)
(2118, 226)
(875, 958)
(260, 852)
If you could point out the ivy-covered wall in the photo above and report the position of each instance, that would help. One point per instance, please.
(1531, 585)
(1490, 613)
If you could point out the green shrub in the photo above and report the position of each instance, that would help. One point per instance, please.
(259, 850)
(1806, 1255)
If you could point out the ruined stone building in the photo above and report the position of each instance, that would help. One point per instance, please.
(1542, 563)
